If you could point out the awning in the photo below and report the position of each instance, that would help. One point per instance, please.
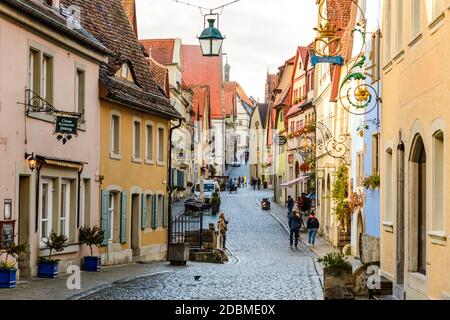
(63, 164)
(289, 184)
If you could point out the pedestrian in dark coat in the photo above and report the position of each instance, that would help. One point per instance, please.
(313, 225)
(295, 223)
(259, 183)
(290, 206)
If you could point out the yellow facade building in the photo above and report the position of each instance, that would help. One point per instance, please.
(415, 248)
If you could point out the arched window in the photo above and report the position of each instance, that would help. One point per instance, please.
(418, 203)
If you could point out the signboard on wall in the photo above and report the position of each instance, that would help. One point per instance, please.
(66, 125)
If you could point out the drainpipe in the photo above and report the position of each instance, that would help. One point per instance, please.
(79, 197)
(169, 184)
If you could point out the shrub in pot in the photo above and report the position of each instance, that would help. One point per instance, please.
(338, 277)
(8, 269)
(48, 267)
(215, 203)
(91, 237)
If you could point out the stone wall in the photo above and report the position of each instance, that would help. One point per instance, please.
(370, 249)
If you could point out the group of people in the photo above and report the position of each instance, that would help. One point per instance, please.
(256, 183)
(296, 222)
(240, 182)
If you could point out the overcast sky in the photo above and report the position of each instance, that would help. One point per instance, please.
(260, 34)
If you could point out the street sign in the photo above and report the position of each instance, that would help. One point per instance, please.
(331, 59)
(66, 125)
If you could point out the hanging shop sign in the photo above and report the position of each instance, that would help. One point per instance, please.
(66, 125)
(338, 60)
(282, 140)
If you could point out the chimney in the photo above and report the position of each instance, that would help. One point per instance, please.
(130, 10)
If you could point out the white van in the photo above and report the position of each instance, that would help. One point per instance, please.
(210, 186)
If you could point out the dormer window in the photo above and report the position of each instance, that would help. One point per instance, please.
(125, 73)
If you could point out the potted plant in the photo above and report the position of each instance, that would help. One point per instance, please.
(48, 267)
(215, 202)
(8, 269)
(91, 237)
(372, 182)
(337, 277)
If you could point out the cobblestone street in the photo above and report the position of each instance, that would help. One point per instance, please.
(262, 266)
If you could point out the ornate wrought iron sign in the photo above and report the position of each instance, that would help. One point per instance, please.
(66, 123)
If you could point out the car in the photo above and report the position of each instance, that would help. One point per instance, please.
(210, 186)
(235, 164)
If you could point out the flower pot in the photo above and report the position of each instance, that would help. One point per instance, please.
(92, 264)
(215, 208)
(8, 278)
(47, 269)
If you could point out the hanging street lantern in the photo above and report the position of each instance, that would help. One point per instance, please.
(211, 40)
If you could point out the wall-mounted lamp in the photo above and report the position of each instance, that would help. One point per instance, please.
(32, 161)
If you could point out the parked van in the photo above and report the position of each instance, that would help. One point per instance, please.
(210, 186)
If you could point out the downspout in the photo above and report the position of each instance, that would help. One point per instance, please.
(79, 196)
(169, 185)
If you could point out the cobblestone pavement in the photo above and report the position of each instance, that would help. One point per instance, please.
(262, 267)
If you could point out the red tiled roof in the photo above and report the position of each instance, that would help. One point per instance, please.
(161, 75)
(130, 10)
(160, 49)
(200, 70)
(106, 21)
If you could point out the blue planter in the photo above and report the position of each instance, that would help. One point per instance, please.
(47, 269)
(8, 278)
(92, 264)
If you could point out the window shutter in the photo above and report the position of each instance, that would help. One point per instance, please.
(123, 218)
(144, 212)
(105, 223)
(164, 212)
(154, 215)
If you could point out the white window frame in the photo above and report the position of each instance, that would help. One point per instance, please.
(388, 189)
(134, 157)
(111, 213)
(66, 218)
(114, 155)
(158, 160)
(387, 30)
(149, 160)
(82, 69)
(49, 219)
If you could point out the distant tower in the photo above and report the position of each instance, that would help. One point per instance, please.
(227, 71)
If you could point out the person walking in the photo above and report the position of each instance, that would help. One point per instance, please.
(222, 226)
(254, 183)
(290, 206)
(259, 183)
(245, 181)
(312, 225)
(295, 223)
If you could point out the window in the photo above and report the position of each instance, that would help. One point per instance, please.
(387, 30)
(292, 126)
(416, 18)
(115, 134)
(45, 209)
(376, 154)
(112, 214)
(124, 71)
(34, 72)
(359, 169)
(399, 26)
(437, 6)
(438, 182)
(80, 90)
(64, 213)
(161, 146)
(388, 187)
(40, 74)
(136, 140)
(47, 78)
(149, 144)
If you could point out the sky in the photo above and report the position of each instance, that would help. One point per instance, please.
(260, 34)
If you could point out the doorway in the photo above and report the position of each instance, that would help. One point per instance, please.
(359, 234)
(135, 212)
(24, 224)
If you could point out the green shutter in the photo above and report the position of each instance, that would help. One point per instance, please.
(105, 223)
(123, 218)
(144, 212)
(164, 212)
(154, 215)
